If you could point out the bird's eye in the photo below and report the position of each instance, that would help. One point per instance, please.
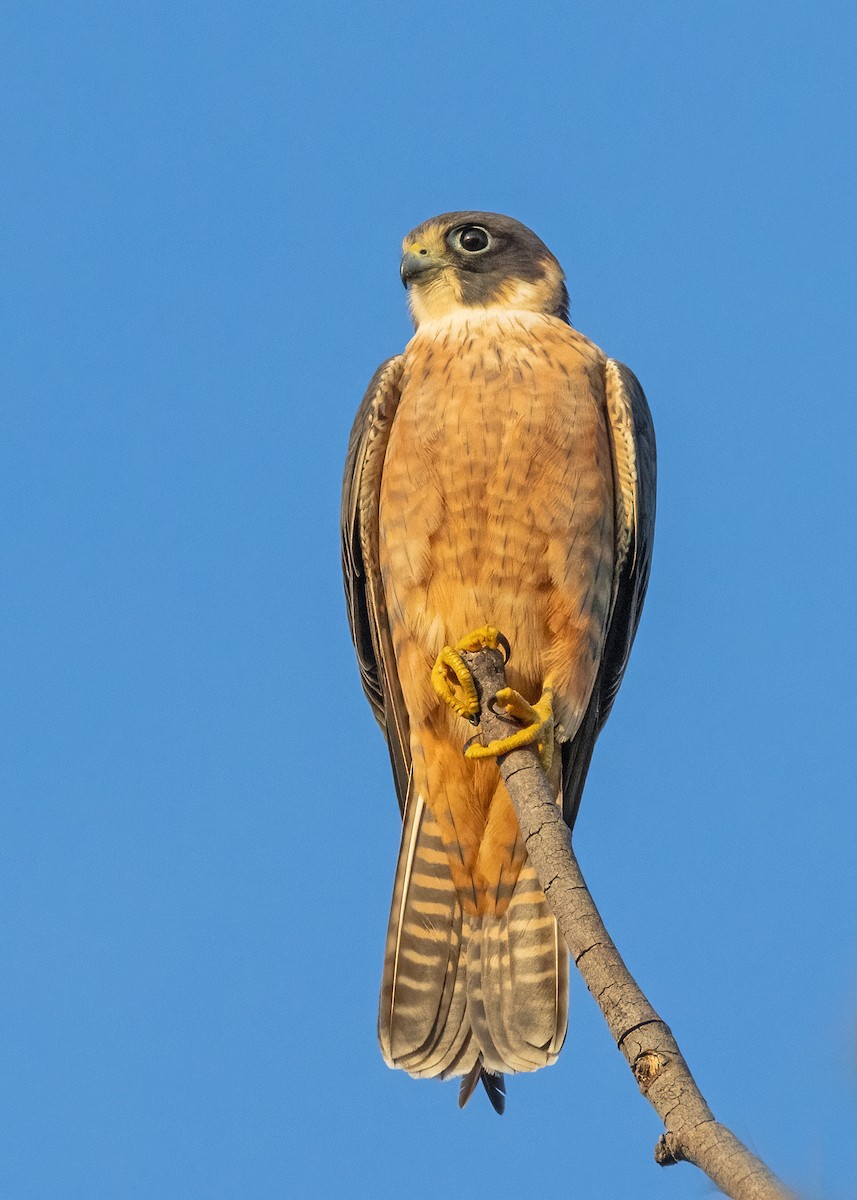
(472, 238)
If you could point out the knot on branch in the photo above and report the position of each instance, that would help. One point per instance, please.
(647, 1067)
(668, 1151)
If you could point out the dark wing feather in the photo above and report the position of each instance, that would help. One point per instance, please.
(634, 473)
(367, 614)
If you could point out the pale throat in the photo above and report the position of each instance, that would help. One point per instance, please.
(440, 299)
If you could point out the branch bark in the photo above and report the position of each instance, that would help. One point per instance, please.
(691, 1132)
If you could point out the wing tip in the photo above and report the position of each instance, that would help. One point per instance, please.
(495, 1086)
(493, 1082)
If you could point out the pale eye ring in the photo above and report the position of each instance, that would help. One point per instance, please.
(473, 239)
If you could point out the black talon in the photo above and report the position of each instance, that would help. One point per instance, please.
(469, 743)
(473, 719)
(504, 644)
(499, 712)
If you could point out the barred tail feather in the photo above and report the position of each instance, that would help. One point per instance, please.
(517, 982)
(421, 1024)
(464, 993)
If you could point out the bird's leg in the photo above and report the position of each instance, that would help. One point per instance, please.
(451, 677)
(538, 727)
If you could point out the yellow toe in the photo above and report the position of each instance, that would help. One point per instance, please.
(514, 705)
(538, 731)
(451, 677)
(487, 637)
(454, 684)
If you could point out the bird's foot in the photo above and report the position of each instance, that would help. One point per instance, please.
(538, 727)
(451, 677)
(486, 637)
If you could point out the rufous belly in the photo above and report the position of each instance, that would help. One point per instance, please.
(496, 508)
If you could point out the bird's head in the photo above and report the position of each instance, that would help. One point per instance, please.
(476, 260)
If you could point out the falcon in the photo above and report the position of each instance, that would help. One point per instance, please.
(499, 491)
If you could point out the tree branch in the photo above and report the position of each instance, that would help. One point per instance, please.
(691, 1132)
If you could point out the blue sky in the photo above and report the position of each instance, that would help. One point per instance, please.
(202, 206)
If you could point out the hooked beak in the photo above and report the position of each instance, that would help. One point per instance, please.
(417, 260)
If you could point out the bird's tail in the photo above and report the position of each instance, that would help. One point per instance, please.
(463, 993)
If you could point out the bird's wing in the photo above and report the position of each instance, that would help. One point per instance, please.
(367, 614)
(634, 473)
